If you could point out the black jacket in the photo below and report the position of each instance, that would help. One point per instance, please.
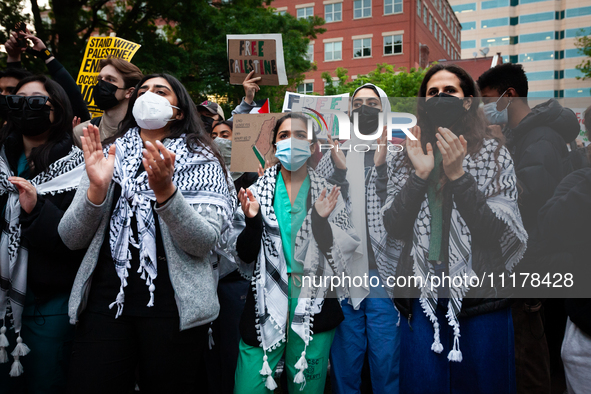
(565, 227)
(52, 267)
(485, 228)
(538, 148)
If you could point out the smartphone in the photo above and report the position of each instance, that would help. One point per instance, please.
(21, 27)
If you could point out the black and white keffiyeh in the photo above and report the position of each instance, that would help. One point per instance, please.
(270, 279)
(385, 249)
(197, 175)
(501, 197)
(61, 176)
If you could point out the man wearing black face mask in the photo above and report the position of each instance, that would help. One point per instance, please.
(116, 82)
(210, 113)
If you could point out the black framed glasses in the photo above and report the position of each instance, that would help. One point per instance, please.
(35, 103)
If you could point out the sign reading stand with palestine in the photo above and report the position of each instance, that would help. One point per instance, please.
(262, 53)
(99, 48)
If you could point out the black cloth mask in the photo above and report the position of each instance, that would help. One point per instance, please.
(30, 122)
(104, 95)
(444, 110)
(368, 119)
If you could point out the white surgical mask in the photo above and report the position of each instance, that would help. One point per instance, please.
(152, 112)
(293, 153)
(495, 116)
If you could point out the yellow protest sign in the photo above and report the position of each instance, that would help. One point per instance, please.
(99, 48)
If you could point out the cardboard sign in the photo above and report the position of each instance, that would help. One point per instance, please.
(262, 53)
(252, 141)
(314, 107)
(99, 48)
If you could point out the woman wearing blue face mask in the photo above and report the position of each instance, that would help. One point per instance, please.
(152, 205)
(290, 240)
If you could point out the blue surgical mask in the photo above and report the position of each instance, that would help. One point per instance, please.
(293, 153)
(495, 116)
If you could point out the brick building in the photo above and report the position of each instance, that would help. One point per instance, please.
(363, 33)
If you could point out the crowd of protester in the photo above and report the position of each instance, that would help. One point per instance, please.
(133, 258)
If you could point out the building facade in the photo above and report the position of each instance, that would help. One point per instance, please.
(540, 34)
(363, 33)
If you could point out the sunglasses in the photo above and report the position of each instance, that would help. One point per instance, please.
(35, 103)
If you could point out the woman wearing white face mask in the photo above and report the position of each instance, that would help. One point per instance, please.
(289, 238)
(149, 214)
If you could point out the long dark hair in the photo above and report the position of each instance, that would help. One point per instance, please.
(60, 129)
(472, 125)
(190, 125)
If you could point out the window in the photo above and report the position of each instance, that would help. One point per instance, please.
(576, 52)
(574, 12)
(584, 92)
(362, 47)
(464, 8)
(530, 1)
(541, 94)
(548, 35)
(573, 73)
(540, 75)
(559, 74)
(440, 38)
(536, 56)
(361, 9)
(333, 51)
(487, 5)
(393, 44)
(306, 12)
(306, 88)
(468, 25)
(578, 32)
(425, 11)
(333, 12)
(493, 42)
(419, 8)
(435, 30)
(310, 53)
(470, 44)
(542, 16)
(430, 23)
(392, 7)
(558, 55)
(487, 23)
(280, 12)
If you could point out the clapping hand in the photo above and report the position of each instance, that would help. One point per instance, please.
(159, 164)
(325, 204)
(250, 206)
(453, 151)
(423, 163)
(98, 167)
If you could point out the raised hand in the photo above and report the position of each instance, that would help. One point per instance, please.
(159, 164)
(379, 157)
(423, 163)
(453, 151)
(250, 206)
(338, 157)
(261, 170)
(250, 87)
(325, 204)
(27, 194)
(98, 167)
(76, 121)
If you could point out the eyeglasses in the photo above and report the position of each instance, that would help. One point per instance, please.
(35, 103)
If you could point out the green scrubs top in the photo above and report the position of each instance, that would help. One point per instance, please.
(290, 219)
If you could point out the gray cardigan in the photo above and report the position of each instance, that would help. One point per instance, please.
(187, 236)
